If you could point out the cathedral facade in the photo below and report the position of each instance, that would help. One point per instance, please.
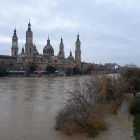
(30, 53)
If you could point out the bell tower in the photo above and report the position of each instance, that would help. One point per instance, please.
(61, 47)
(29, 48)
(14, 48)
(29, 41)
(78, 52)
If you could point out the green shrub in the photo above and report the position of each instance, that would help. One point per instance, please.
(50, 69)
(136, 125)
(135, 106)
(3, 72)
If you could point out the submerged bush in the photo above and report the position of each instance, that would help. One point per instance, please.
(39, 75)
(111, 90)
(79, 117)
(3, 72)
(135, 106)
(131, 74)
(85, 108)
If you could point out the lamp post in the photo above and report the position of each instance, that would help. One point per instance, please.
(128, 114)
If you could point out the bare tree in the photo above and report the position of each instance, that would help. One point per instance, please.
(131, 74)
(81, 112)
(85, 108)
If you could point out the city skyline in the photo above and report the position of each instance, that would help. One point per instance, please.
(109, 30)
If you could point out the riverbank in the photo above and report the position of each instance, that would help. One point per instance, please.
(54, 75)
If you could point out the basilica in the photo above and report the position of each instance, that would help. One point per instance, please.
(29, 53)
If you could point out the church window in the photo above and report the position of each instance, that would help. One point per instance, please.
(15, 52)
(30, 50)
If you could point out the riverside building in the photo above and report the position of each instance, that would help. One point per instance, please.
(29, 53)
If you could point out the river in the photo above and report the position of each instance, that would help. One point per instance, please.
(28, 107)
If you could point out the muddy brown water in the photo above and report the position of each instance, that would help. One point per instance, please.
(28, 107)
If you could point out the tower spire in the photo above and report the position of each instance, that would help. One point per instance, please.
(29, 23)
(15, 32)
(78, 52)
(29, 26)
(23, 49)
(61, 41)
(70, 53)
(78, 37)
(48, 41)
(14, 48)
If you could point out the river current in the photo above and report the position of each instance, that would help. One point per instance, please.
(28, 108)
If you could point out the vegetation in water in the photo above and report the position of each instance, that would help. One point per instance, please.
(68, 71)
(39, 75)
(50, 69)
(31, 67)
(3, 72)
(131, 76)
(81, 114)
(135, 110)
(84, 110)
(136, 126)
(135, 106)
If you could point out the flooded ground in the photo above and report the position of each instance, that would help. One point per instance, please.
(28, 107)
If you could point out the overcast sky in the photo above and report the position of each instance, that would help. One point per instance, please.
(109, 29)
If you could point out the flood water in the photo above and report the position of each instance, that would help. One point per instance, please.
(28, 107)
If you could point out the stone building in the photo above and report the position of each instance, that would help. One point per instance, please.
(30, 53)
(7, 62)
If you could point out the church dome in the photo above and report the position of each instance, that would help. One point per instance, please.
(35, 50)
(48, 47)
(70, 56)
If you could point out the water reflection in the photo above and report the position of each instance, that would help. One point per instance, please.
(28, 107)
